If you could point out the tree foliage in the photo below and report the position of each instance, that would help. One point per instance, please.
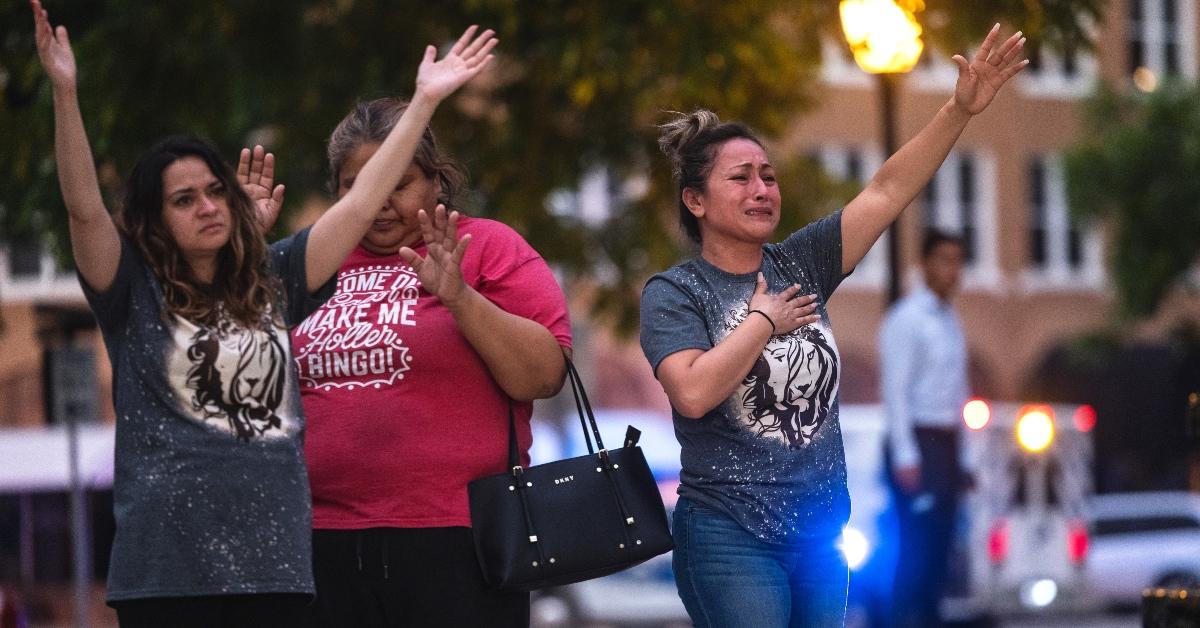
(581, 85)
(1137, 170)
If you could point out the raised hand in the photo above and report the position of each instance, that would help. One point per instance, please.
(786, 311)
(988, 70)
(256, 174)
(53, 47)
(470, 54)
(440, 271)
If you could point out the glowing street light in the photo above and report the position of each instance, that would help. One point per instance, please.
(885, 37)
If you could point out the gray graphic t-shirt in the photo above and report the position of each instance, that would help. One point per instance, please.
(210, 492)
(771, 455)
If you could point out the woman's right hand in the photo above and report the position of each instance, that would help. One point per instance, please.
(786, 311)
(468, 57)
(53, 47)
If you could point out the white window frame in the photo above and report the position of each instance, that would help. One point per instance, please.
(1057, 274)
(47, 284)
(983, 272)
(1155, 35)
(871, 272)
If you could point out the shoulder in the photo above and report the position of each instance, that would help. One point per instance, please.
(825, 229)
(679, 274)
(486, 229)
(496, 241)
(906, 313)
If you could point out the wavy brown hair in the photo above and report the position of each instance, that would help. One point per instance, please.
(242, 289)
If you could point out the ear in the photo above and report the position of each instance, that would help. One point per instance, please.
(694, 201)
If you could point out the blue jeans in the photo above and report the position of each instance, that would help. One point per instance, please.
(728, 578)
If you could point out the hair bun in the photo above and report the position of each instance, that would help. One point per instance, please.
(677, 133)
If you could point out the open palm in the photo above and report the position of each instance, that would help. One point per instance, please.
(980, 80)
(256, 174)
(468, 57)
(440, 270)
(53, 47)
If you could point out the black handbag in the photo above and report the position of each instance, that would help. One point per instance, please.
(569, 520)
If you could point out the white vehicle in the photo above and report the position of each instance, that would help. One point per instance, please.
(1140, 541)
(1026, 541)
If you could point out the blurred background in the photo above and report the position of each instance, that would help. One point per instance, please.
(1077, 193)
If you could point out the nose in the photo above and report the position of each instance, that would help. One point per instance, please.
(207, 205)
(759, 188)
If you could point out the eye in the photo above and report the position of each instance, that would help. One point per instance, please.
(183, 201)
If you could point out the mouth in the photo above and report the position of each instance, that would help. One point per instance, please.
(216, 227)
(760, 211)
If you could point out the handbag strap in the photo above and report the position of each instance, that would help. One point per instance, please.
(584, 408)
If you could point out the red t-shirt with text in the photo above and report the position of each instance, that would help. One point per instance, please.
(401, 411)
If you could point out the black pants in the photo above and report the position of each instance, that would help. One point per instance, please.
(406, 578)
(257, 610)
(927, 522)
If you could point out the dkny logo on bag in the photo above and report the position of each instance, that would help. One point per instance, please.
(564, 480)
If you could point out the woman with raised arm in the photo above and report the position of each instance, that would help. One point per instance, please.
(441, 325)
(210, 492)
(740, 339)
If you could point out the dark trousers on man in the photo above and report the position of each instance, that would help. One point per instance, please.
(926, 521)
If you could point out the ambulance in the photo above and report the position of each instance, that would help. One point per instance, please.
(1023, 540)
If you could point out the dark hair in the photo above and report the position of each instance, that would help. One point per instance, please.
(370, 123)
(935, 237)
(691, 141)
(241, 287)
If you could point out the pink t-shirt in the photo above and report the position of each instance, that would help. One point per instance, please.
(401, 411)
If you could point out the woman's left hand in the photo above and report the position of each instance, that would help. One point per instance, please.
(256, 174)
(991, 67)
(440, 271)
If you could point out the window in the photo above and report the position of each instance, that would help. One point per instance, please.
(1067, 73)
(1152, 523)
(859, 164)
(24, 259)
(1061, 251)
(960, 200)
(1157, 42)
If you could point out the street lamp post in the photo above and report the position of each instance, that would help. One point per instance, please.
(886, 41)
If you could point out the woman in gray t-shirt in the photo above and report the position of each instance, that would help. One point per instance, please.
(210, 493)
(740, 339)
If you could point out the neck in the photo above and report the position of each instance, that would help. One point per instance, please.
(734, 257)
(204, 268)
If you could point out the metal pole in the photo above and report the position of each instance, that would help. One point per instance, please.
(81, 571)
(887, 94)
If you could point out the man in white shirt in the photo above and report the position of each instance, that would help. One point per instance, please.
(923, 372)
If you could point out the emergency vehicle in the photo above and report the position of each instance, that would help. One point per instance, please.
(1024, 535)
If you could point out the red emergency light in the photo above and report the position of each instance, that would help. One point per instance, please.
(1084, 418)
(1077, 541)
(997, 546)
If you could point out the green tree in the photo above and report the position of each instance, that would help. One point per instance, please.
(1137, 170)
(581, 85)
